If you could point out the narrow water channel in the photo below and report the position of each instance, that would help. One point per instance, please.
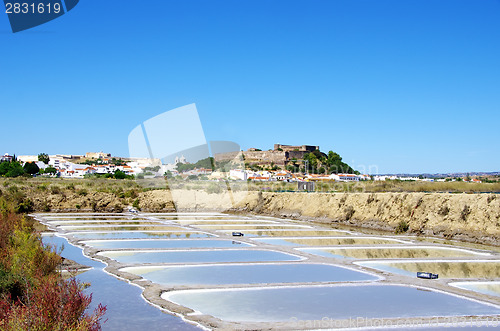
(126, 309)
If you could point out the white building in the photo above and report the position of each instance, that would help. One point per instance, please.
(344, 177)
(238, 174)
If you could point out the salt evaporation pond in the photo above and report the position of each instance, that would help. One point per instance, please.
(164, 243)
(93, 218)
(139, 235)
(393, 252)
(291, 233)
(249, 274)
(329, 241)
(199, 256)
(103, 222)
(230, 222)
(245, 227)
(486, 269)
(122, 228)
(159, 249)
(489, 288)
(281, 304)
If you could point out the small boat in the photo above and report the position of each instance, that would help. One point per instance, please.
(238, 234)
(427, 275)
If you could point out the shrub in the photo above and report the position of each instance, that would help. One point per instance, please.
(465, 212)
(349, 212)
(444, 210)
(25, 206)
(33, 295)
(131, 194)
(82, 192)
(214, 188)
(402, 227)
(54, 189)
(42, 187)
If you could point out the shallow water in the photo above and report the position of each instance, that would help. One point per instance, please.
(194, 217)
(291, 233)
(249, 274)
(126, 310)
(199, 256)
(232, 222)
(122, 228)
(139, 235)
(335, 302)
(92, 218)
(165, 243)
(489, 288)
(445, 269)
(328, 241)
(245, 227)
(389, 253)
(102, 222)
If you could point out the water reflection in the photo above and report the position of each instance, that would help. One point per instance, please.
(249, 274)
(245, 227)
(390, 252)
(333, 302)
(489, 288)
(122, 228)
(139, 235)
(107, 222)
(163, 243)
(232, 222)
(126, 308)
(445, 269)
(329, 241)
(293, 233)
(199, 256)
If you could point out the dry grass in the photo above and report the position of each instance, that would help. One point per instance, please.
(130, 189)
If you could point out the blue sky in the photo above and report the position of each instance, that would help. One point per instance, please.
(391, 85)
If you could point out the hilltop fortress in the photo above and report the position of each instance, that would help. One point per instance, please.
(281, 155)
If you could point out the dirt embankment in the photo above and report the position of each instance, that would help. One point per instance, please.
(469, 217)
(154, 201)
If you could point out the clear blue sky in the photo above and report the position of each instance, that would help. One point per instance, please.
(406, 86)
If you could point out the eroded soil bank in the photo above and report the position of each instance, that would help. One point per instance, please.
(467, 217)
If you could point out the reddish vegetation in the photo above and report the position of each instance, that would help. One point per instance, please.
(33, 295)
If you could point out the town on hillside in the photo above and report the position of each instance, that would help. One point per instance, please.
(305, 163)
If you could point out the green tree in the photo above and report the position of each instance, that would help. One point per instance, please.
(11, 169)
(4, 168)
(31, 168)
(44, 157)
(192, 177)
(120, 174)
(313, 162)
(50, 170)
